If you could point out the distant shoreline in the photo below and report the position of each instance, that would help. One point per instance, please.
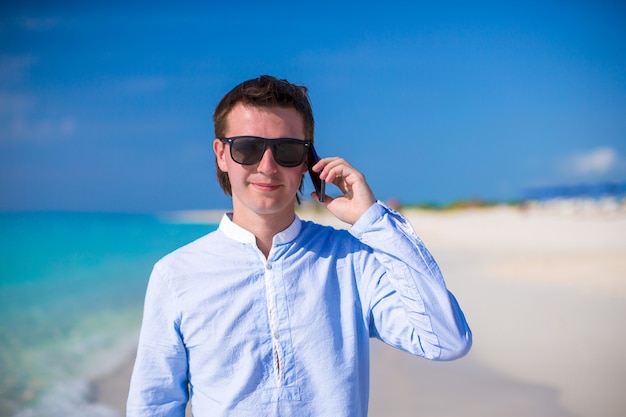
(311, 209)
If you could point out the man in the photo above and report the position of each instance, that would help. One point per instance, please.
(270, 315)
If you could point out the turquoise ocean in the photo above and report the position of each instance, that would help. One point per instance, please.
(71, 296)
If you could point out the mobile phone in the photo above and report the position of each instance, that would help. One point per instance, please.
(318, 184)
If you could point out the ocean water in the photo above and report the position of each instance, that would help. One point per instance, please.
(71, 298)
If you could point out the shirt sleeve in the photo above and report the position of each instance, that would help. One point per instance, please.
(410, 305)
(159, 383)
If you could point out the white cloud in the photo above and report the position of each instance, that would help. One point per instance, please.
(21, 122)
(21, 129)
(597, 161)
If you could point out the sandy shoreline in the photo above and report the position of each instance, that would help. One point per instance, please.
(544, 293)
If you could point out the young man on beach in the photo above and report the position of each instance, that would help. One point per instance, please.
(271, 315)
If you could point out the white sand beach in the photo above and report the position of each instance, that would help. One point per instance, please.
(544, 291)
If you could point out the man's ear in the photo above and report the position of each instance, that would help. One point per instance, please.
(220, 154)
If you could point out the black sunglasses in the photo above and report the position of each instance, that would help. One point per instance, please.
(249, 150)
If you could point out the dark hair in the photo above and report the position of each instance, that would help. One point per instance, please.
(264, 91)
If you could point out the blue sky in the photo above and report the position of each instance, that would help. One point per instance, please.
(108, 108)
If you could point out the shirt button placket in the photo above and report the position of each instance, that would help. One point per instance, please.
(273, 322)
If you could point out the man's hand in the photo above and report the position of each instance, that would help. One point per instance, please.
(357, 195)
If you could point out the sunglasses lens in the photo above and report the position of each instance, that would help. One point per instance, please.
(247, 151)
(289, 154)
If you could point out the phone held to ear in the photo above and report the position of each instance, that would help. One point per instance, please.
(318, 184)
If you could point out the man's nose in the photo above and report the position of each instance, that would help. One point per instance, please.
(267, 162)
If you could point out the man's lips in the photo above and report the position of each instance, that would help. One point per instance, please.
(265, 187)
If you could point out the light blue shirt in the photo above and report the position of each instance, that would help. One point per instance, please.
(243, 335)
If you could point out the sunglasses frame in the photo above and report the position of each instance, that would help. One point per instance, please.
(272, 143)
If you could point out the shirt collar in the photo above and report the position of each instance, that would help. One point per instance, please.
(239, 234)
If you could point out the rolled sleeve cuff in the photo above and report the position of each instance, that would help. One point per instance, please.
(375, 212)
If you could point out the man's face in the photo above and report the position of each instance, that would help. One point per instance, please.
(265, 188)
